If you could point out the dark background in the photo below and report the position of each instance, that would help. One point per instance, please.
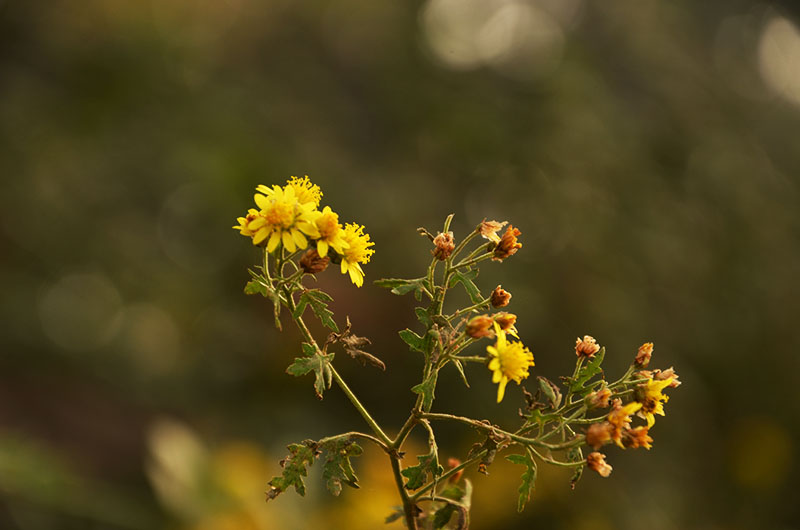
(647, 150)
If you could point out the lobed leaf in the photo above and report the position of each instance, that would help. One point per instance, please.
(589, 370)
(428, 465)
(550, 391)
(317, 362)
(318, 300)
(294, 469)
(426, 390)
(256, 287)
(337, 468)
(465, 278)
(528, 478)
(414, 341)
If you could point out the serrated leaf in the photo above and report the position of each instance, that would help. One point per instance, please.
(428, 465)
(414, 341)
(400, 286)
(294, 469)
(256, 287)
(550, 391)
(465, 278)
(589, 370)
(318, 301)
(424, 316)
(528, 478)
(337, 468)
(317, 362)
(426, 390)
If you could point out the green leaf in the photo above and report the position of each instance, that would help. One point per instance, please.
(337, 467)
(589, 370)
(395, 515)
(575, 455)
(426, 390)
(317, 362)
(463, 496)
(460, 367)
(528, 478)
(318, 301)
(294, 469)
(465, 278)
(550, 391)
(255, 287)
(428, 465)
(424, 316)
(414, 341)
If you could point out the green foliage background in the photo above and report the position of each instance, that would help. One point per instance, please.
(651, 167)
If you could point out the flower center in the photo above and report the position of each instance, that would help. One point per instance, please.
(280, 214)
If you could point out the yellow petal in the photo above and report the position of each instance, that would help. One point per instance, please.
(261, 201)
(344, 266)
(274, 239)
(256, 223)
(322, 248)
(497, 376)
(651, 420)
(356, 277)
(299, 238)
(501, 389)
(261, 235)
(494, 364)
(288, 242)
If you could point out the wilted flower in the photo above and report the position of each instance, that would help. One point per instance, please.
(635, 438)
(508, 244)
(586, 347)
(644, 354)
(597, 462)
(480, 326)
(620, 418)
(599, 434)
(444, 245)
(500, 297)
(506, 322)
(312, 262)
(488, 230)
(598, 398)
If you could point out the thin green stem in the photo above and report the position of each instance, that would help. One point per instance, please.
(447, 474)
(357, 404)
(472, 261)
(356, 434)
(408, 503)
(462, 311)
(556, 462)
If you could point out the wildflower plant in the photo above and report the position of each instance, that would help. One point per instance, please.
(562, 424)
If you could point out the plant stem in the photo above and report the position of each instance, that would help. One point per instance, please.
(408, 504)
(447, 474)
(356, 434)
(470, 308)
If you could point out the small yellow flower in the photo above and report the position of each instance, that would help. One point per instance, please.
(509, 361)
(330, 231)
(283, 219)
(252, 213)
(652, 399)
(620, 419)
(356, 252)
(303, 189)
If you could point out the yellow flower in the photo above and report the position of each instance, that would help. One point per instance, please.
(509, 361)
(252, 213)
(652, 399)
(620, 418)
(283, 219)
(356, 252)
(330, 232)
(303, 189)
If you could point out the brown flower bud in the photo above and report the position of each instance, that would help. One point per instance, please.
(644, 355)
(599, 398)
(506, 322)
(586, 347)
(508, 245)
(599, 434)
(453, 463)
(597, 462)
(480, 326)
(635, 438)
(312, 262)
(660, 375)
(488, 230)
(500, 297)
(444, 245)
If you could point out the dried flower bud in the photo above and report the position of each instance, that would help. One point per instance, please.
(454, 463)
(599, 434)
(500, 297)
(312, 262)
(660, 375)
(635, 438)
(597, 462)
(480, 326)
(488, 230)
(444, 245)
(506, 321)
(644, 355)
(508, 244)
(598, 399)
(586, 347)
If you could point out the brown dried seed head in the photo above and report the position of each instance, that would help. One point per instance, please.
(597, 462)
(508, 244)
(599, 398)
(488, 230)
(312, 262)
(644, 354)
(500, 297)
(599, 434)
(444, 245)
(480, 326)
(586, 347)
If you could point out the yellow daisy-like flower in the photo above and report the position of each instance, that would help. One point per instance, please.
(330, 231)
(252, 213)
(653, 400)
(282, 219)
(509, 361)
(356, 252)
(303, 189)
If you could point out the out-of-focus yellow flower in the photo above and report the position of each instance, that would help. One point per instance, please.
(356, 252)
(509, 361)
(282, 219)
(242, 227)
(303, 189)
(330, 232)
(652, 399)
(620, 419)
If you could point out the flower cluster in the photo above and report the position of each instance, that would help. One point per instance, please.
(289, 217)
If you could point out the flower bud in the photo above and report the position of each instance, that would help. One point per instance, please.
(444, 245)
(506, 321)
(586, 347)
(597, 462)
(312, 262)
(508, 245)
(599, 434)
(598, 399)
(480, 326)
(500, 297)
(644, 355)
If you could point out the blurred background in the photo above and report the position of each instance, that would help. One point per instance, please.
(647, 150)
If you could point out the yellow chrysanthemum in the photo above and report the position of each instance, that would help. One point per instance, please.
(330, 231)
(282, 219)
(509, 361)
(653, 400)
(356, 252)
(303, 189)
(252, 213)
